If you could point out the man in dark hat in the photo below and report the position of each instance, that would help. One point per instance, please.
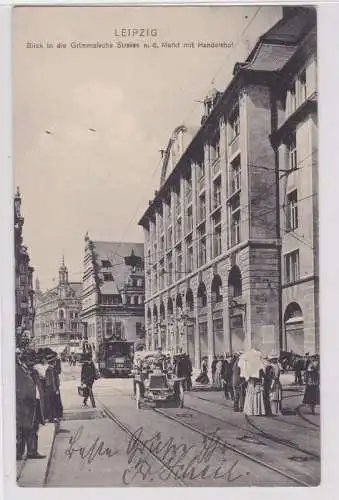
(29, 406)
(88, 376)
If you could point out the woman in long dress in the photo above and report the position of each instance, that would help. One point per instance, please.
(276, 387)
(312, 379)
(252, 368)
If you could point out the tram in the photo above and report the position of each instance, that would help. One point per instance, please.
(115, 357)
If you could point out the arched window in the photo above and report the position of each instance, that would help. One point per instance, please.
(155, 313)
(293, 310)
(234, 282)
(178, 302)
(170, 306)
(162, 311)
(189, 300)
(202, 295)
(216, 289)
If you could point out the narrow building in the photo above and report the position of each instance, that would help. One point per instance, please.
(58, 310)
(24, 293)
(216, 247)
(113, 292)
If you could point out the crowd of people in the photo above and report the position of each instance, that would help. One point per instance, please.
(252, 381)
(37, 397)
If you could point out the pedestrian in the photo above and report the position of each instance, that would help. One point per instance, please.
(252, 368)
(239, 385)
(189, 373)
(54, 409)
(312, 380)
(203, 377)
(298, 368)
(213, 368)
(88, 376)
(29, 406)
(218, 371)
(275, 394)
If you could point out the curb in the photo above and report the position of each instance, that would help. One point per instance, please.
(34, 473)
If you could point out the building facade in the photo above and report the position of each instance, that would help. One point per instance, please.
(113, 292)
(24, 293)
(214, 251)
(58, 323)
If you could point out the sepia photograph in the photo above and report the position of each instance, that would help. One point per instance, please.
(166, 240)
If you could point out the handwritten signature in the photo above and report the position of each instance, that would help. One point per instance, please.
(179, 460)
(89, 453)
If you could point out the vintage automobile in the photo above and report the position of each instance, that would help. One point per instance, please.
(154, 381)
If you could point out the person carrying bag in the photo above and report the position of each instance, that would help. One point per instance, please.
(88, 376)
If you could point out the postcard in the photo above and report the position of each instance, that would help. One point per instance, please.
(166, 246)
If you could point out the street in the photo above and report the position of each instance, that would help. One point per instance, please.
(203, 444)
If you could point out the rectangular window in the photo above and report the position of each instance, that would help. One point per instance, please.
(235, 173)
(189, 255)
(169, 237)
(161, 275)
(292, 269)
(178, 232)
(302, 91)
(109, 328)
(108, 276)
(189, 220)
(216, 193)
(202, 207)
(202, 246)
(216, 234)
(292, 211)
(170, 270)
(105, 263)
(179, 269)
(292, 153)
(74, 325)
(234, 124)
(117, 329)
(234, 216)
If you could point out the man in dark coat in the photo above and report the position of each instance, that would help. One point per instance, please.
(29, 406)
(238, 383)
(88, 376)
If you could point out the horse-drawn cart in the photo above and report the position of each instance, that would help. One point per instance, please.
(155, 382)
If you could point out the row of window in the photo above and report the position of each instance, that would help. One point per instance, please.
(117, 299)
(58, 325)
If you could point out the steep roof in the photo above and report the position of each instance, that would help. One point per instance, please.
(115, 253)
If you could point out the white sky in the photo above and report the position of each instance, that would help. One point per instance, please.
(75, 180)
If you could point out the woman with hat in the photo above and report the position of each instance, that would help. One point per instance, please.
(252, 368)
(312, 381)
(275, 393)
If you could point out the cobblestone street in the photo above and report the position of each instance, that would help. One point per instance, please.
(205, 443)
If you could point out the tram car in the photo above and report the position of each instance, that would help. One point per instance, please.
(154, 380)
(115, 358)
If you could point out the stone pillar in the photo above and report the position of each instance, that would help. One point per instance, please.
(194, 168)
(223, 167)
(196, 330)
(210, 335)
(208, 180)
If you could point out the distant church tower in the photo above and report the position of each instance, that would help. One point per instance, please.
(63, 273)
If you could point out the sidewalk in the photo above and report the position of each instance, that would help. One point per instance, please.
(32, 473)
(286, 379)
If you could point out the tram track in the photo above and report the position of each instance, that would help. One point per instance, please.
(234, 449)
(314, 428)
(111, 416)
(257, 432)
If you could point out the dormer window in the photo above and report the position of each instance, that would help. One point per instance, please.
(108, 276)
(105, 263)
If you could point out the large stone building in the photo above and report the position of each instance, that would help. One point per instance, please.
(219, 258)
(58, 310)
(113, 291)
(24, 293)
